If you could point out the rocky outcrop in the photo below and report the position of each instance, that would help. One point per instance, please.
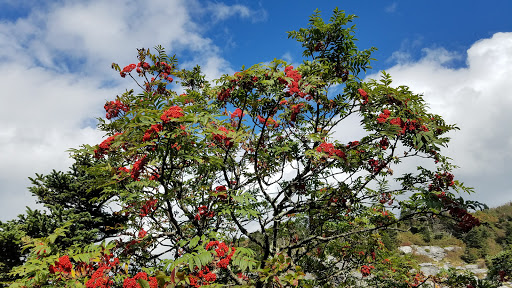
(437, 254)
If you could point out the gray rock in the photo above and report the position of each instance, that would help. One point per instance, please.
(405, 249)
(452, 248)
(480, 271)
(434, 252)
(429, 269)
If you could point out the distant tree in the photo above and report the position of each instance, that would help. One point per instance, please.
(80, 197)
(500, 265)
(69, 197)
(245, 183)
(10, 249)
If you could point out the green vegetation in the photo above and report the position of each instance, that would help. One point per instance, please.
(488, 245)
(487, 240)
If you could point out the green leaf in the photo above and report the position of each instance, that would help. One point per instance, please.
(143, 283)
(193, 242)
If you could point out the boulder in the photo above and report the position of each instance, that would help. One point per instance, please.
(429, 269)
(434, 252)
(405, 249)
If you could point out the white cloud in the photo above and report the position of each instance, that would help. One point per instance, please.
(57, 75)
(46, 114)
(287, 57)
(221, 11)
(391, 8)
(478, 99)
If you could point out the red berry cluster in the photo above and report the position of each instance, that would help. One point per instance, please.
(269, 122)
(366, 270)
(391, 99)
(224, 94)
(237, 114)
(142, 233)
(127, 70)
(376, 165)
(221, 194)
(293, 86)
(384, 143)
(418, 279)
(408, 125)
(222, 139)
(113, 108)
(187, 101)
(138, 166)
(466, 221)
(328, 148)
(503, 275)
(100, 277)
(172, 112)
(242, 276)
(104, 146)
(295, 111)
(202, 277)
(386, 197)
(62, 265)
(364, 96)
(319, 46)
(222, 252)
(165, 70)
(132, 282)
(245, 83)
(396, 122)
(383, 116)
(148, 207)
(442, 181)
(144, 66)
(154, 176)
(152, 132)
(352, 144)
(203, 213)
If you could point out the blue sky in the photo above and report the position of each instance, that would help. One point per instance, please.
(388, 25)
(55, 57)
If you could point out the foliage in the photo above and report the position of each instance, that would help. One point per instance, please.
(79, 196)
(465, 279)
(486, 240)
(69, 197)
(500, 265)
(268, 195)
(10, 248)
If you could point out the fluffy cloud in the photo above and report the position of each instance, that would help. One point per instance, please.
(57, 76)
(477, 99)
(221, 11)
(391, 8)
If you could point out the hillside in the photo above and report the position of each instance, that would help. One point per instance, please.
(488, 246)
(491, 237)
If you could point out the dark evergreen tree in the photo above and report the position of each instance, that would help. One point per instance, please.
(76, 197)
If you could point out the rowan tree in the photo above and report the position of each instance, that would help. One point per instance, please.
(249, 183)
